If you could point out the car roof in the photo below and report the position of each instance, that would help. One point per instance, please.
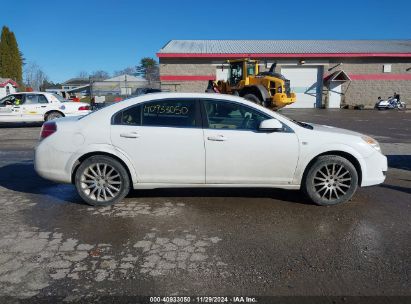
(175, 95)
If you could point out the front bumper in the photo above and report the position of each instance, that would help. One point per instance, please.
(376, 167)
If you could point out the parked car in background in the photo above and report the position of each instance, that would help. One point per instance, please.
(38, 106)
(204, 140)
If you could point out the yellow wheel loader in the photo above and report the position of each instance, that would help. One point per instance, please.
(269, 89)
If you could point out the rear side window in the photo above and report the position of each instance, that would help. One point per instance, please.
(161, 113)
(31, 99)
(170, 112)
(130, 116)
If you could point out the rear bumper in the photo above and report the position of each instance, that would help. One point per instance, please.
(376, 167)
(53, 170)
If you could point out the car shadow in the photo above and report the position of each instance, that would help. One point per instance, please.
(276, 194)
(397, 188)
(399, 162)
(20, 124)
(21, 177)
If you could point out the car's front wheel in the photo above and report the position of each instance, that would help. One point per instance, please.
(102, 181)
(330, 180)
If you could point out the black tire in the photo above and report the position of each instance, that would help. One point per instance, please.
(53, 115)
(326, 181)
(108, 188)
(253, 98)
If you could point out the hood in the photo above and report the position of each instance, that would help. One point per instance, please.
(330, 129)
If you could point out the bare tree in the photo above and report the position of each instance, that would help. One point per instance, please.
(128, 70)
(82, 74)
(99, 75)
(34, 76)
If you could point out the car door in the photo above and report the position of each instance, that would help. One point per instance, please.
(34, 107)
(164, 140)
(238, 153)
(10, 108)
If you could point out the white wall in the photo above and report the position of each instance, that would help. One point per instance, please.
(3, 90)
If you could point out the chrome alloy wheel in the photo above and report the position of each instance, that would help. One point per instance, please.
(332, 181)
(100, 182)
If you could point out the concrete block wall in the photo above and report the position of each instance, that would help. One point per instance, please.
(366, 92)
(355, 92)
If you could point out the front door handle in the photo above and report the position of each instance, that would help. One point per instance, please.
(129, 135)
(217, 138)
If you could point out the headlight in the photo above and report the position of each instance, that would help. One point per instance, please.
(372, 142)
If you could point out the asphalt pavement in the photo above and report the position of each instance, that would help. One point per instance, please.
(209, 242)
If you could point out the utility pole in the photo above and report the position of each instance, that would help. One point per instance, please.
(125, 84)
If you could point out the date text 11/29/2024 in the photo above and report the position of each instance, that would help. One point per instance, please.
(202, 299)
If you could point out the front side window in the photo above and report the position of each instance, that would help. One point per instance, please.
(12, 100)
(230, 115)
(169, 112)
(7, 101)
(236, 73)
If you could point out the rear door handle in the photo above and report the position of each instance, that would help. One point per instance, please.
(217, 138)
(129, 135)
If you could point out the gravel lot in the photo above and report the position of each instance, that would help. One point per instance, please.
(256, 242)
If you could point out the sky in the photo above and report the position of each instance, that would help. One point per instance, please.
(67, 37)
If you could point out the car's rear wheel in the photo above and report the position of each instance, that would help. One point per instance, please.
(330, 180)
(102, 181)
(53, 115)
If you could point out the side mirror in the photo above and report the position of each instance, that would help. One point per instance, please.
(270, 125)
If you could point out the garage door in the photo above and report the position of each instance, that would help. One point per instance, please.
(306, 83)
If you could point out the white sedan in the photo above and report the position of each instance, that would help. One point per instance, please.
(204, 140)
(38, 106)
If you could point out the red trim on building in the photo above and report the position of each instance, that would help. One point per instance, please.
(283, 55)
(12, 82)
(380, 76)
(186, 77)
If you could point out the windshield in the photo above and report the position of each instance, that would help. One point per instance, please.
(60, 98)
(300, 123)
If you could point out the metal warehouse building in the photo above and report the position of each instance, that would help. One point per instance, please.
(323, 73)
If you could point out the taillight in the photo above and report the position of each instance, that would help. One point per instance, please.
(84, 108)
(47, 129)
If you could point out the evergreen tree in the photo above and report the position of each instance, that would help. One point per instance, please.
(16, 69)
(11, 59)
(5, 63)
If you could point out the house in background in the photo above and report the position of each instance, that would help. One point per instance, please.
(7, 86)
(120, 86)
(74, 83)
(74, 87)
